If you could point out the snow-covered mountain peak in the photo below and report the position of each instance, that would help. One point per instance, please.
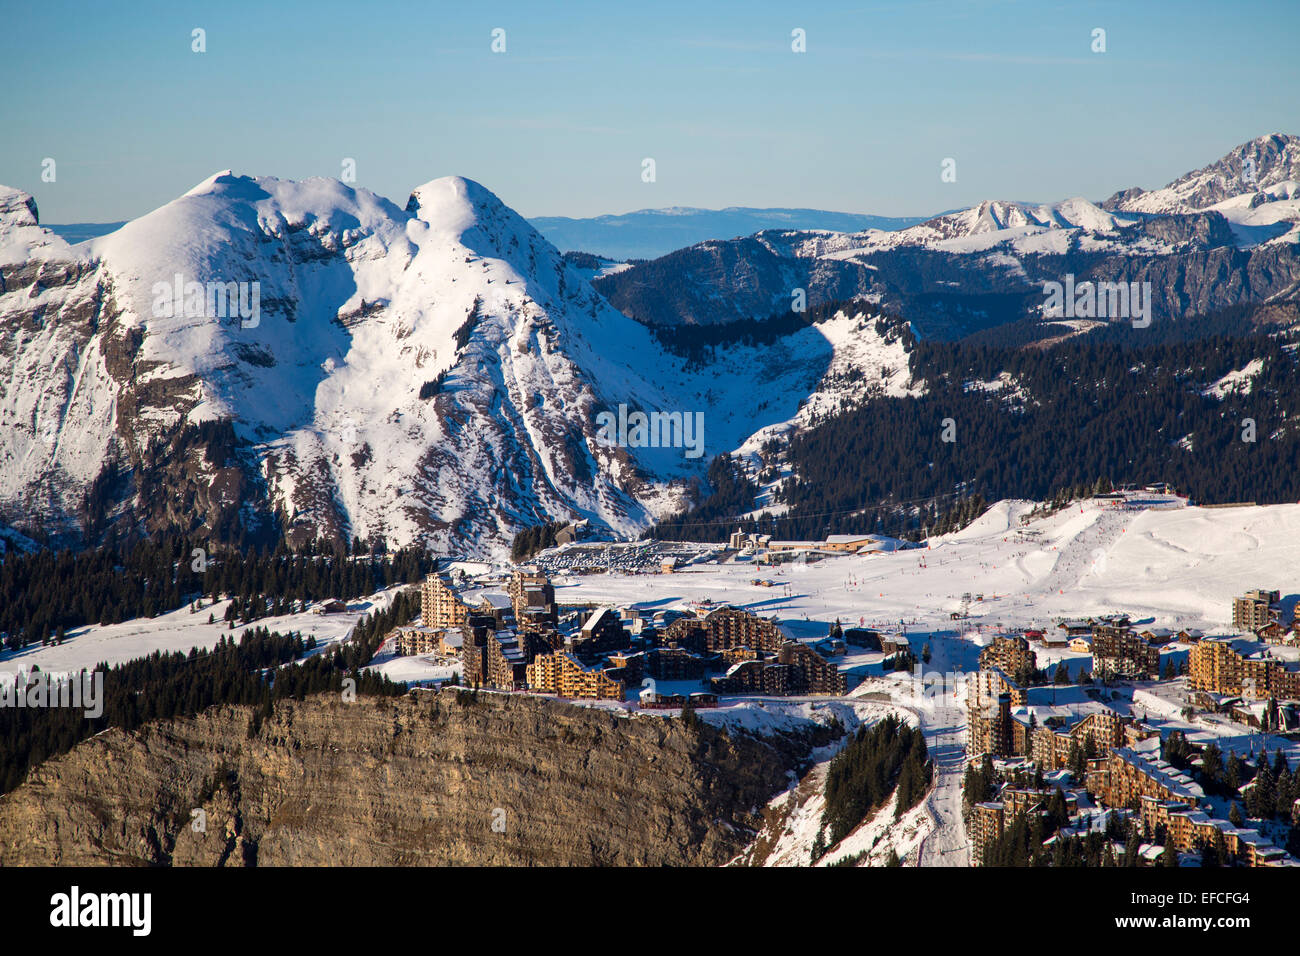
(431, 374)
(21, 235)
(1251, 167)
(17, 208)
(452, 203)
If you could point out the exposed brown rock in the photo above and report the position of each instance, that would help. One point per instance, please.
(419, 779)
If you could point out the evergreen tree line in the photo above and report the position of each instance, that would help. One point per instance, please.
(1126, 406)
(1133, 413)
(45, 593)
(1237, 321)
(1021, 843)
(531, 540)
(252, 672)
(979, 784)
(886, 756)
(1273, 786)
(698, 342)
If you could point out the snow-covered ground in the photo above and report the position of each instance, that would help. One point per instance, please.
(180, 630)
(1167, 564)
(1158, 560)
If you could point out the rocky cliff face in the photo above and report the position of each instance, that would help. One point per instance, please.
(451, 778)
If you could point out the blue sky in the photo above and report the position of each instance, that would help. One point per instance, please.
(559, 124)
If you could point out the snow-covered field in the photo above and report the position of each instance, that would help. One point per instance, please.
(1168, 565)
(180, 630)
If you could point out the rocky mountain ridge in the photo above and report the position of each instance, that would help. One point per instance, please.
(263, 358)
(1213, 239)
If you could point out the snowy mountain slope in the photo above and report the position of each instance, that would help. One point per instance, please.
(1170, 564)
(1249, 169)
(432, 373)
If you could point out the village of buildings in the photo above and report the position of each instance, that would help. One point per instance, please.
(1084, 704)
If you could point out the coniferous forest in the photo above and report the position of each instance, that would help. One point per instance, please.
(47, 593)
(1033, 422)
(887, 756)
(251, 672)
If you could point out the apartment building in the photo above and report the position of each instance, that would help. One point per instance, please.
(418, 639)
(677, 663)
(1125, 776)
(1054, 739)
(561, 673)
(1242, 667)
(1119, 652)
(627, 666)
(496, 605)
(1255, 609)
(532, 598)
(724, 628)
(473, 651)
(505, 662)
(988, 820)
(990, 728)
(795, 669)
(754, 677)
(440, 605)
(601, 633)
(1008, 653)
(1187, 828)
(811, 673)
(986, 823)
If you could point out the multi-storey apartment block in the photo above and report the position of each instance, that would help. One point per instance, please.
(1008, 653)
(1054, 739)
(440, 605)
(418, 640)
(601, 633)
(724, 628)
(796, 669)
(1187, 828)
(986, 823)
(505, 662)
(561, 673)
(532, 599)
(988, 820)
(989, 726)
(1241, 667)
(1119, 652)
(1255, 609)
(1125, 776)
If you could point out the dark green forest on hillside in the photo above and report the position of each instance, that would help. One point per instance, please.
(887, 756)
(47, 593)
(1027, 423)
(252, 672)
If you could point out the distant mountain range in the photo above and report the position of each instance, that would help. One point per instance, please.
(1218, 237)
(74, 232)
(648, 233)
(433, 373)
(643, 234)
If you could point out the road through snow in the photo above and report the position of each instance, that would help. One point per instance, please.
(945, 735)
